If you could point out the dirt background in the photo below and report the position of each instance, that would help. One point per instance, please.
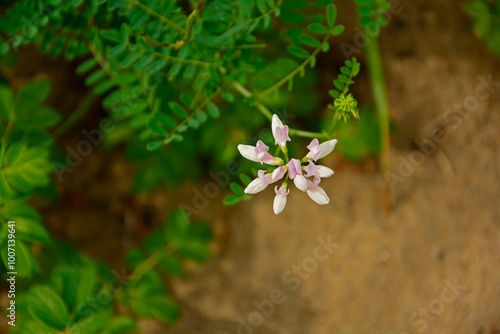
(397, 252)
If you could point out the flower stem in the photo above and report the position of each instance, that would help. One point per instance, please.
(259, 105)
(285, 152)
(308, 134)
(379, 91)
(334, 122)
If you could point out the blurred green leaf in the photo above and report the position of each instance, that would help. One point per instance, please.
(331, 15)
(6, 102)
(171, 266)
(164, 309)
(232, 199)
(121, 324)
(47, 306)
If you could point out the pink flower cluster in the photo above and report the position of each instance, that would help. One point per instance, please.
(306, 175)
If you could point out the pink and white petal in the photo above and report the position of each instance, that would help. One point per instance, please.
(256, 186)
(326, 148)
(261, 147)
(294, 168)
(248, 152)
(314, 150)
(279, 204)
(281, 136)
(323, 171)
(300, 182)
(267, 158)
(280, 199)
(276, 123)
(278, 173)
(310, 169)
(318, 195)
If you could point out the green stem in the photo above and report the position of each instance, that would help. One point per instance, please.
(244, 46)
(334, 122)
(181, 60)
(76, 115)
(99, 58)
(308, 134)
(259, 105)
(267, 113)
(379, 91)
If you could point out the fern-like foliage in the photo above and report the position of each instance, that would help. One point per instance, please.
(24, 160)
(306, 44)
(81, 296)
(371, 15)
(157, 51)
(344, 103)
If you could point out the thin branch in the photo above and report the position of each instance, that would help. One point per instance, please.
(181, 60)
(379, 91)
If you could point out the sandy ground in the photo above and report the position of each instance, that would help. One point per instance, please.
(424, 258)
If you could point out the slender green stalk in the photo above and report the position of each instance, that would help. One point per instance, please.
(308, 134)
(101, 60)
(259, 105)
(76, 115)
(182, 60)
(379, 91)
(334, 122)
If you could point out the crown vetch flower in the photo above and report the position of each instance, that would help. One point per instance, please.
(295, 173)
(280, 132)
(297, 170)
(264, 180)
(259, 153)
(316, 193)
(318, 151)
(280, 199)
(317, 170)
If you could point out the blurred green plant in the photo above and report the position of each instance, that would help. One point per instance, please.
(344, 104)
(24, 160)
(371, 20)
(238, 193)
(163, 75)
(78, 295)
(73, 293)
(183, 82)
(485, 17)
(362, 138)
